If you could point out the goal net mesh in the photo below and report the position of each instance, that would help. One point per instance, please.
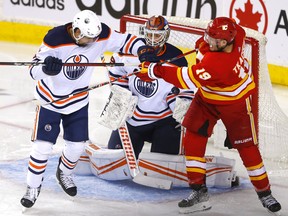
(272, 123)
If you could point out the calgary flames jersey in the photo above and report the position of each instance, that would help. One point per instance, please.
(72, 79)
(155, 99)
(221, 77)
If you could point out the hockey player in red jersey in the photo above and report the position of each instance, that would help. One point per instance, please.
(225, 91)
(82, 41)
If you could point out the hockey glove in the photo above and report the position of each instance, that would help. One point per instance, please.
(118, 108)
(147, 53)
(52, 66)
(148, 71)
(180, 109)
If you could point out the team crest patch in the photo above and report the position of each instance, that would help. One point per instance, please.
(48, 127)
(146, 89)
(74, 72)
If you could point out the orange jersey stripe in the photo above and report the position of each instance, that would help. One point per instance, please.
(129, 43)
(153, 117)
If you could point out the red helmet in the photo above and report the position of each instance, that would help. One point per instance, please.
(156, 31)
(222, 28)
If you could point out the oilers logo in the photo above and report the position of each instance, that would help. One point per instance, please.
(146, 89)
(74, 72)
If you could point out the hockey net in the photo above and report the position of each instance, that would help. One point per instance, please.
(272, 123)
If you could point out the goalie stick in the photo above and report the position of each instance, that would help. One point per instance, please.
(178, 57)
(132, 163)
(135, 173)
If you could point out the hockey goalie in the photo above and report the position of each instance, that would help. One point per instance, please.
(113, 164)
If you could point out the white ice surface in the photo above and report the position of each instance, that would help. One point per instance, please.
(99, 198)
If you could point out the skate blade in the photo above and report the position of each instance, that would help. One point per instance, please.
(203, 206)
(24, 210)
(71, 198)
(275, 213)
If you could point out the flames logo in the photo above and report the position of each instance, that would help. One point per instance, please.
(250, 13)
(74, 72)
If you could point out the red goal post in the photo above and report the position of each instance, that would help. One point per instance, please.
(271, 122)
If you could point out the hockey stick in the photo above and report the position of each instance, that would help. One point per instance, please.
(104, 64)
(135, 173)
(96, 64)
(108, 82)
(178, 57)
(88, 89)
(132, 163)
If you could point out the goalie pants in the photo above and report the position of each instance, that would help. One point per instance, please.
(162, 135)
(238, 119)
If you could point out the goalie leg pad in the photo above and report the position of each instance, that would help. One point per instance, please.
(164, 166)
(108, 164)
(219, 172)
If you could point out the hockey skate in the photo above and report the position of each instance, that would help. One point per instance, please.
(198, 200)
(30, 197)
(269, 202)
(66, 183)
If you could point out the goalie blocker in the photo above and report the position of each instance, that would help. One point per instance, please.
(110, 164)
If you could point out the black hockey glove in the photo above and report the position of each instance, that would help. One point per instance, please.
(52, 66)
(147, 53)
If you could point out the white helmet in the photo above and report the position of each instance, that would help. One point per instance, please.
(88, 23)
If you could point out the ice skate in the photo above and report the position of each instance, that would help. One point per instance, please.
(66, 183)
(270, 203)
(198, 200)
(30, 197)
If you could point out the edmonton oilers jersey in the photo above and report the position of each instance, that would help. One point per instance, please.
(72, 79)
(155, 99)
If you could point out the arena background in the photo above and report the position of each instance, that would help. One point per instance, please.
(27, 21)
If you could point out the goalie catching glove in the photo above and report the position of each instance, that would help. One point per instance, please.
(147, 53)
(119, 107)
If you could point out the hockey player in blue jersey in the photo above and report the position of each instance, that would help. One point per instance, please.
(82, 41)
(152, 120)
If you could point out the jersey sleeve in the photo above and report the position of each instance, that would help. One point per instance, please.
(36, 72)
(117, 72)
(120, 42)
(178, 76)
(55, 38)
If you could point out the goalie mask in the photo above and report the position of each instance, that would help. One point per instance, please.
(88, 24)
(156, 31)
